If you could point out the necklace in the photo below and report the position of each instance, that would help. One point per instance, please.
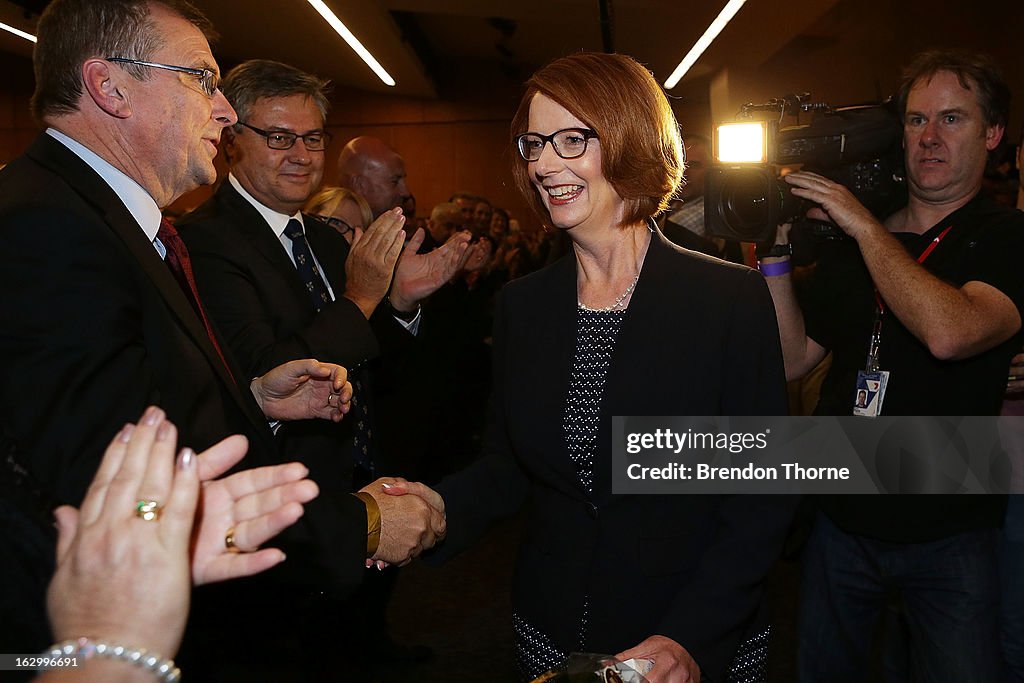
(616, 303)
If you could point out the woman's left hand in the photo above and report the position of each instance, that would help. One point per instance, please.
(123, 576)
(253, 505)
(672, 663)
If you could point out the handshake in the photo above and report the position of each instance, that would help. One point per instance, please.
(412, 520)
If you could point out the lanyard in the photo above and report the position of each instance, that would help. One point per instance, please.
(876, 329)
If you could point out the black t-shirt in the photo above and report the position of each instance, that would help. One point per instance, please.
(985, 243)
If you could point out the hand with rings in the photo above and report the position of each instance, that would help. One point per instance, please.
(303, 390)
(124, 570)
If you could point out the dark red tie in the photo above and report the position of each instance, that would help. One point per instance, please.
(181, 267)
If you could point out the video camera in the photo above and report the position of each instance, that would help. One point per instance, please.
(858, 146)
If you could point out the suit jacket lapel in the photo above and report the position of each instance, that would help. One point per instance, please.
(634, 350)
(258, 233)
(549, 334)
(92, 188)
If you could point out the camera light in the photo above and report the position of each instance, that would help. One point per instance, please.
(741, 143)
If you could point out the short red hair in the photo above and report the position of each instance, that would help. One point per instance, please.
(641, 149)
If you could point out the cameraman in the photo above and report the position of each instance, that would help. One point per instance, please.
(932, 297)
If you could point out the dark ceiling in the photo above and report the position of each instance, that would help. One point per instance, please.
(429, 46)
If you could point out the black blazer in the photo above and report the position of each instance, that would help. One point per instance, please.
(94, 328)
(699, 338)
(252, 290)
(255, 295)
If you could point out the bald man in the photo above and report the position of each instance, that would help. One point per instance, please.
(370, 167)
(445, 220)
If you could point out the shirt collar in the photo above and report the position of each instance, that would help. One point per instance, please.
(136, 199)
(277, 221)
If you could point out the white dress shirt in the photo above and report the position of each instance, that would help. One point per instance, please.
(136, 199)
(277, 223)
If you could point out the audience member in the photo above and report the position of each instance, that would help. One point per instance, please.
(482, 216)
(467, 203)
(499, 225)
(282, 284)
(342, 209)
(932, 296)
(370, 167)
(445, 220)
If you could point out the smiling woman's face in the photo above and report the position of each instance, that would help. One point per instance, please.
(574, 191)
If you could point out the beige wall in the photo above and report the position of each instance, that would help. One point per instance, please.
(447, 146)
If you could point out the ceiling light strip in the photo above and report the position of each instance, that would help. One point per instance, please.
(20, 34)
(353, 42)
(698, 48)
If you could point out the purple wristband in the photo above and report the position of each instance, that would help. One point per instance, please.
(775, 269)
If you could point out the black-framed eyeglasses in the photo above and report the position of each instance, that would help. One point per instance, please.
(282, 139)
(208, 80)
(568, 143)
(336, 223)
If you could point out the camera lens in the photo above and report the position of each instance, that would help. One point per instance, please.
(746, 202)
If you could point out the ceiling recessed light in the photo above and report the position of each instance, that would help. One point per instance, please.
(705, 40)
(20, 34)
(353, 42)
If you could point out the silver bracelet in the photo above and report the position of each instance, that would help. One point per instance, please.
(86, 648)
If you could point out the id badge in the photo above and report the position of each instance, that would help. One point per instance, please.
(867, 401)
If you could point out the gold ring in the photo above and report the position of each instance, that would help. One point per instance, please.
(148, 510)
(229, 541)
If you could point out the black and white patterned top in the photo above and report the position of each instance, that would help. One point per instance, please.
(595, 340)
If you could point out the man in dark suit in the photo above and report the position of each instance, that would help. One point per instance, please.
(282, 284)
(250, 244)
(94, 324)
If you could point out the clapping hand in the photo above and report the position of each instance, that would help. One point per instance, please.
(417, 276)
(124, 568)
(479, 255)
(370, 265)
(304, 389)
